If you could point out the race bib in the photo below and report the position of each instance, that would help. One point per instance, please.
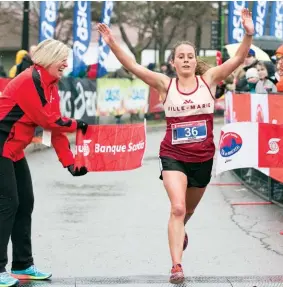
(189, 132)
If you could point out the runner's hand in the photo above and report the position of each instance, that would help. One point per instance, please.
(81, 125)
(77, 172)
(247, 21)
(106, 33)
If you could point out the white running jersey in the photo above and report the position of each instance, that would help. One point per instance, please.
(178, 104)
(189, 116)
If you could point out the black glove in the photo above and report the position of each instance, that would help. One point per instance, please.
(81, 125)
(77, 172)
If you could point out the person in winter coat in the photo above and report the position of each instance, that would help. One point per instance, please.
(19, 57)
(264, 85)
(31, 99)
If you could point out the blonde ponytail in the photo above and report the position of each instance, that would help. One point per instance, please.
(201, 67)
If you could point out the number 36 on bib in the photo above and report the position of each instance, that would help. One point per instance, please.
(189, 132)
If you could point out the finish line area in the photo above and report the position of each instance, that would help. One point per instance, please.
(110, 229)
(162, 280)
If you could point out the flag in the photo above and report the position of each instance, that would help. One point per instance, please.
(276, 19)
(103, 48)
(47, 19)
(250, 145)
(260, 9)
(235, 29)
(81, 35)
(111, 147)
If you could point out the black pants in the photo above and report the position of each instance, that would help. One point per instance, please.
(16, 206)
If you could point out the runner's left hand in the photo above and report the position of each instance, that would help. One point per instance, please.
(247, 21)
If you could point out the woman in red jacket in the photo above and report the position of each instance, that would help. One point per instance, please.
(29, 100)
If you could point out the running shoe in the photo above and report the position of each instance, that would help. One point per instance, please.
(31, 273)
(177, 274)
(185, 241)
(7, 280)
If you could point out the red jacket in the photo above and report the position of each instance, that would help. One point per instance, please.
(30, 100)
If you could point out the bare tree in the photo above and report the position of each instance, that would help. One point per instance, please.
(10, 16)
(138, 15)
(153, 21)
(200, 12)
(64, 27)
(160, 23)
(169, 16)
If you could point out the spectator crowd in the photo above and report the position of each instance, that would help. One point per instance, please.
(253, 76)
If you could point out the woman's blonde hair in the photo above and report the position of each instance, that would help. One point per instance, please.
(48, 52)
(201, 67)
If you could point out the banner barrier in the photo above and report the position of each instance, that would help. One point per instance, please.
(87, 99)
(111, 95)
(258, 108)
(111, 147)
(78, 99)
(247, 144)
(261, 108)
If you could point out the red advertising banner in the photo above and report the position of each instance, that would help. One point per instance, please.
(111, 147)
(270, 145)
(3, 84)
(242, 108)
(275, 105)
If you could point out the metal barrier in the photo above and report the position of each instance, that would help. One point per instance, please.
(261, 184)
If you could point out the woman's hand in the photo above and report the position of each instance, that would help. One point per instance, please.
(106, 33)
(247, 22)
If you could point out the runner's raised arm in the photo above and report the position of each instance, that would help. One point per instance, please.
(156, 80)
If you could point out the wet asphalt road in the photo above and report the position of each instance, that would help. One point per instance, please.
(105, 229)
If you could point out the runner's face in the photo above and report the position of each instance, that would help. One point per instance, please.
(56, 69)
(185, 61)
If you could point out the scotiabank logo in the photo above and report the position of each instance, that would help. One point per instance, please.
(273, 146)
(84, 148)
